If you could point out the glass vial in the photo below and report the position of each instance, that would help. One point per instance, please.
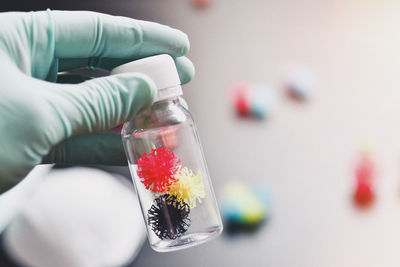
(166, 161)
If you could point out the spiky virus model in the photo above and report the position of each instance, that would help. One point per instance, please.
(168, 217)
(188, 188)
(157, 169)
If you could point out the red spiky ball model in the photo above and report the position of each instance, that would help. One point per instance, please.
(158, 168)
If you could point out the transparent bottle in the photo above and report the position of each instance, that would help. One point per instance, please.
(166, 161)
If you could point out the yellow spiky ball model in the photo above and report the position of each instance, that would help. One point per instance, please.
(189, 187)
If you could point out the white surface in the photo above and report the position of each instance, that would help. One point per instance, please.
(78, 217)
(12, 201)
(161, 69)
(305, 152)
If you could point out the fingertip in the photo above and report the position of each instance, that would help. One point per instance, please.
(185, 69)
(181, 42)
(185, 44)
(145, 88)
(161, 38)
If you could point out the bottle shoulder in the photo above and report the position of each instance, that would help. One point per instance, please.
(160, 115)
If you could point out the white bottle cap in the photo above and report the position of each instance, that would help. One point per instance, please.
(161, 69)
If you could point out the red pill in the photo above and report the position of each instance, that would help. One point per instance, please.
(241, 98)
(201, 3)
(364, 195)
(365, 174)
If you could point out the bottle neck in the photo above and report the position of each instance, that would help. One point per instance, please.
(162, 113)
(171, 100)
(169, 92)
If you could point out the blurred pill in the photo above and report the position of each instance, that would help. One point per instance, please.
(244, 209)
(241, 98)
(263, 102)
(364, 195)
(256, 101)
(201, 3)
(300, 82)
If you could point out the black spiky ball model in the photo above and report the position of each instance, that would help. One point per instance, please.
(168, 217)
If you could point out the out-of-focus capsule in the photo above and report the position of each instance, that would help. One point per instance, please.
(300, 82)
(241, 98)
(263, 101)
(257, 101)
(244, 209)
(201, 3)
(363, 195)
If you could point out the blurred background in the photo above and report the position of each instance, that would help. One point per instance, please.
(305, 152)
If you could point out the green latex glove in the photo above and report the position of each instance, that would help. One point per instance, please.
(43, 121)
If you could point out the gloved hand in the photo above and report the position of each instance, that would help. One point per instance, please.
(42, 121)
